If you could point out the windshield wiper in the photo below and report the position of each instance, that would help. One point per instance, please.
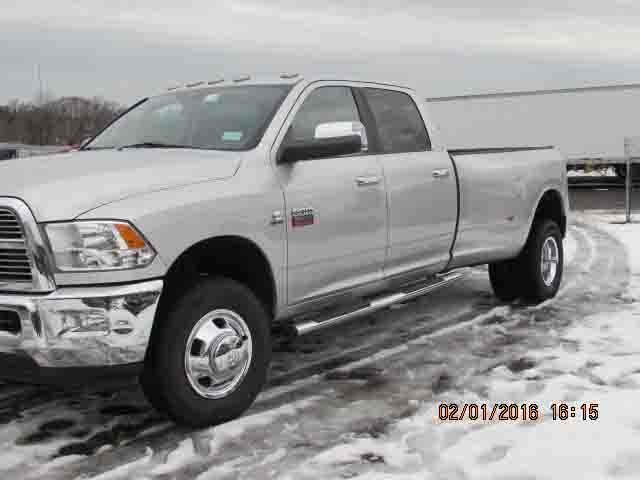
(87, 149)
(153, 145)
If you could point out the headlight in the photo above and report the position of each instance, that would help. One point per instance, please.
(101, 245)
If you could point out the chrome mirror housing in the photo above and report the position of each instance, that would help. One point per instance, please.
(340, 130)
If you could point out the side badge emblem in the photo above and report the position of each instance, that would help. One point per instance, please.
(301, 217)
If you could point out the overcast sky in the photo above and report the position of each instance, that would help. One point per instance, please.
(124, 49)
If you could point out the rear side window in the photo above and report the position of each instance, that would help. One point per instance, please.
(399, 123)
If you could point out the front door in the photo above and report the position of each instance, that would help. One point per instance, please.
(336, 208)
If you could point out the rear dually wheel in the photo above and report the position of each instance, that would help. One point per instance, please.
(536, 273)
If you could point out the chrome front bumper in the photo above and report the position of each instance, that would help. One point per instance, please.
(80, 327)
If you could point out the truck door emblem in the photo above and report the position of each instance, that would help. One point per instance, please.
(301, 217)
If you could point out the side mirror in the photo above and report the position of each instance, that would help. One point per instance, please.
(342, 129)
(330, 140)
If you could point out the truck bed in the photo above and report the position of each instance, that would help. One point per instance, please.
(498, 188)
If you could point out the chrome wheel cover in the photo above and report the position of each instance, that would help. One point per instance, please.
(218, 353)
(549, 260)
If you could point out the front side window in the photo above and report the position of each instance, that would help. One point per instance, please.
(400, 125)
(324, 105)
(221, 118)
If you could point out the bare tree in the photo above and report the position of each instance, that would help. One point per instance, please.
(51, 121)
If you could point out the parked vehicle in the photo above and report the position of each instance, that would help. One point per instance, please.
(172, 242)
(8, 153)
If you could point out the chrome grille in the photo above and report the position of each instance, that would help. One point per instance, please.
(14, 256)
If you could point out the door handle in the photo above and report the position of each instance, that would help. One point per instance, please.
(364, 181)
(440, 173)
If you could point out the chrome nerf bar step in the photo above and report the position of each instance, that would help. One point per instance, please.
(437, 282)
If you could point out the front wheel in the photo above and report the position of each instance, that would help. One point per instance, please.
(210, 354)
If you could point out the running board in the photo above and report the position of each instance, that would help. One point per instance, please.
(440, 281)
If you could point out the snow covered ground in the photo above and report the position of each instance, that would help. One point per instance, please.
(593, 360)
(364, 403)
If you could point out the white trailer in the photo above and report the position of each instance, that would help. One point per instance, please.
(587, 124)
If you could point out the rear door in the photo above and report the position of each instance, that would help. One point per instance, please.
(421, 184)
(336, 208)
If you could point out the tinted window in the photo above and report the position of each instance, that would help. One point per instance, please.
(324, 105)
(400, 125)
(222, 118)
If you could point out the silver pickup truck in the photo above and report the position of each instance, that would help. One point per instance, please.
(171, 244)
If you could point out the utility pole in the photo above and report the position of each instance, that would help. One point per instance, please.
(631, 155)
(40, 104)
(40, 89)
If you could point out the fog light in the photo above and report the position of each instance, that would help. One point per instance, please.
(81, 322)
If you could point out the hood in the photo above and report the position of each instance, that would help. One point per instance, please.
(61, 187)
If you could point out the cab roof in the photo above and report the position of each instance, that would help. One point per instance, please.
(282, 79)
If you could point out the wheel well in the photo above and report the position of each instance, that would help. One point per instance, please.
(229, 256)
(550, 207)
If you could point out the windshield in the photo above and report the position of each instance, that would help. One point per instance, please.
(222, 118)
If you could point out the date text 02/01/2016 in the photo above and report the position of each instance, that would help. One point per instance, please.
(526, 412)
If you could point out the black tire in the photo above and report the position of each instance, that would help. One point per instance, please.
(534, 287)
(505, 280)
(165, 381)
(522, 277)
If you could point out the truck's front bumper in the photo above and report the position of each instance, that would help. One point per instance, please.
(80, 327)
